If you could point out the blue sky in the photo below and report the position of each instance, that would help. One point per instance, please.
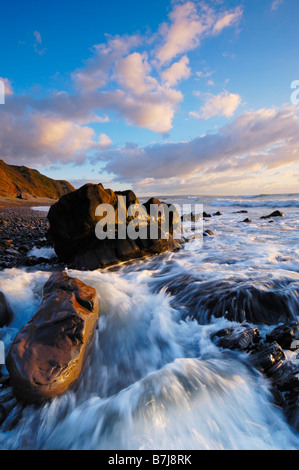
(165, 97)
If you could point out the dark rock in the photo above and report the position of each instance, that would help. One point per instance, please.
(264, 357)
(208, 233)
(241, 212)
(247, 221)
(73, 225)
(207, 216)
(285, 335)
(217, 213)
(241, 338)
(274, 214)
(6, 313)
(47, 355)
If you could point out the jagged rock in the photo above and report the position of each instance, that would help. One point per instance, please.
(247, 221)
(206, 215)
(73, 222)
(286, 336)
(47, 355)
(264, 357)
(241, 338)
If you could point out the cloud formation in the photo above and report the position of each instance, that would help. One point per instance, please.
(223, 104)
(123, 76)
(255, 142)
(189, 24)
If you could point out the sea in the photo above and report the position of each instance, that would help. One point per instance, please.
(154, 378)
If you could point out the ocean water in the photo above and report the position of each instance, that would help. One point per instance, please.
(154, 379)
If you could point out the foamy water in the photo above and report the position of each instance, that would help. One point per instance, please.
(154, 379)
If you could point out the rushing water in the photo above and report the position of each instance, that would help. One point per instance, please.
(154, 379)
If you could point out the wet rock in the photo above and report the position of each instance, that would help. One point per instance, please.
(6, 313)
(266, 357)
(287, 336)
(241, 338)
(207, 216)
(208, 233)
(73, 230)
(217, 214)
(47, 355)
(241, 212)
(247, 221)
(273, 214)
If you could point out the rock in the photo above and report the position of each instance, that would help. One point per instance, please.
(287, 336)
(6, 313)
(247, 221)
(217, 214)
(73, 230)
(208, 233)
(274, 214)
(47, 355)
(8, 242)
(241, 338)
(264, 357)
(206, 215)
(241, 212)
(188, 217)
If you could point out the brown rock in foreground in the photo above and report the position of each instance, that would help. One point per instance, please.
(47, 355)
(73, 222)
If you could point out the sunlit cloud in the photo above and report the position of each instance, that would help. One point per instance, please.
(189, 23)
(254, 143)
(224, 104)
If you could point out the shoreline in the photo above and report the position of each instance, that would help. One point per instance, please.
(9, 202)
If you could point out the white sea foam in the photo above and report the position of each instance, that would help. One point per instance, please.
(46, 252)
(154, 380)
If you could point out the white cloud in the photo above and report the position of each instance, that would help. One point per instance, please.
(188, 25)
(227, 20)
(134, 74)
(223, 104)
(104, 141)
(40, 139)
(177, 72)
(256, 142)
(38, 37)
(7, 86)
(276, 4)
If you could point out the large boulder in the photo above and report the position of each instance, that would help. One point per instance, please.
(47, 355)
(73, 223)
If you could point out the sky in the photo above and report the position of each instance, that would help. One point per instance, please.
(163, 97)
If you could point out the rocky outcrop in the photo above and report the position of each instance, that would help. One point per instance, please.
(6, 313)
(25, 183)
(47, 355)
(268, 357)
(273, 214)
(73, 223)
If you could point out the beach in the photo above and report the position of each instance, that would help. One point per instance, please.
(155, 378)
